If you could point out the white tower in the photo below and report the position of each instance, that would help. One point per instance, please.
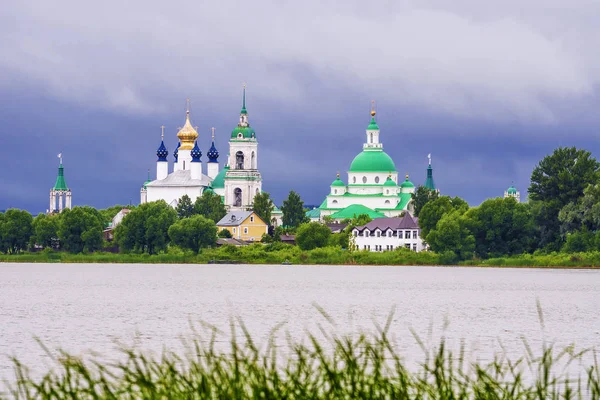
(212, 167)
(60, 194)
(162, 165)
(243, 180)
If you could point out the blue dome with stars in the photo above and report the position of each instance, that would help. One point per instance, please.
(213, 154)
(162, 152)
(196, 153)
(176, 152)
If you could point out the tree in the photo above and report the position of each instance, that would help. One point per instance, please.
(185, 208)
(452, 236)
(210, 206)
(193, 233)
(224, 233)
(263, 205)
(45, 230)
(15, 230)
(583, 214)
(145, 229)
(501, 227)
(80, 229)
(435, 209)
(422, 196)
(312, 235)
(557, 180)
(293, 210)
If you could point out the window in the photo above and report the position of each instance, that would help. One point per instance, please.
(387, 201)
(378, 234)
(399, 234)
(414, 234)
(355, 233)
(233, 230)
(376, 179)
(245, 230)
(354, 179)
(407, 234)
(335, 191)
(252, 218)
(415, 247)
(407, 245)
(237, 197)
(239, 160)
(364, 179)
(334, 202)
(387, 191)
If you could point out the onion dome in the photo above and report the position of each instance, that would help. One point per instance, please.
(162, 152)
(187, 135)
(375, 160)
(407, 184)
(213, 154)
(176, 152)
(196, 153)
(390, 182)
(338, 182)
(512, 190)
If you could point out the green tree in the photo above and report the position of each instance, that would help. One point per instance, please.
(583, 214)
(580, 241)
(15, 230)
(293, 210)
(193, 233)
(145, 229)
(435, 209)
(185, 208)
(210, 206)
(263, 205)
(224, 233)
(312, 235)
(80, 229)
(45, 230)
(452, 236)
(557, 180)
(501, 227)
(422, 196)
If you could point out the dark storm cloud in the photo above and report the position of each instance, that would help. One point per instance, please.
(488, 89)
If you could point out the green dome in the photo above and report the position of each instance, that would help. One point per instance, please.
(219, 181)
(372, 161)
(407, 184)
(208, 190)
(373, 125)
(390, 182)
(512, 190)
(338, 182)
(246, 131)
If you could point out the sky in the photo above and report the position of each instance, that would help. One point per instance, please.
(487, 88)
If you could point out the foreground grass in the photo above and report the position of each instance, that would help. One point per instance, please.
(279, 253)
(336, 367)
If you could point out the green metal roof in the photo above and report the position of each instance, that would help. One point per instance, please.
(246, 131)
(60, 184)
(390, 182)
(314, 213)
(512, 190)
(373, 125)
(404, 200)
(338, 182)
(429, 184)
(219, 181)
(375, 160)
(354, 211)
(407, 184)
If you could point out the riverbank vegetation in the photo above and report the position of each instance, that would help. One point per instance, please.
(558, 226)
(331, 366)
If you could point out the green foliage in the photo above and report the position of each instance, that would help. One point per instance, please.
(224, 233)
(263, 205)
(501, 227)
(45, 230)
(193, 233)
(341, 239)
(422, 196)
(581, 241)
(312, 235)
(185, 208)
(15, 230)
(435, 209)
(293, 210)
(451, 234)
(80, 229)
(210, 206)
(145, 229)
(557, 180)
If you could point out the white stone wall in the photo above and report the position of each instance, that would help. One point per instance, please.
(162, 169)
(371, 202)
(364, 240)
(370, 177)
(172, 194)
(212, 169)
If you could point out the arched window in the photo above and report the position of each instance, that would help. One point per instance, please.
(364, 179)
(257, 191)
(376, 179)
(239, 160)
(387, 202)
(253, 161)
(335, 191)
(334, 202)
(371, 137)
(354, 179)
(387, 191)
(237, 197)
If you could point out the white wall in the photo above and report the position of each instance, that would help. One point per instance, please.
(170, 193)
(372, 242)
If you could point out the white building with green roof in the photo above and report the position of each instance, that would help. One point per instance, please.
(60, 194)
(372, 188)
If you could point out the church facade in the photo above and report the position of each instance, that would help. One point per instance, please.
(237, 183)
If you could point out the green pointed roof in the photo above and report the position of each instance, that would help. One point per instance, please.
(354, 211)
(373, 160)
(429, 184)
(373, 125)
(60, 184)
(219, 181)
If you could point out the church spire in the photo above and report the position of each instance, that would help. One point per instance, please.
(243, 111)
(429, 183)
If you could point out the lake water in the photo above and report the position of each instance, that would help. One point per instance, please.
(82, 307)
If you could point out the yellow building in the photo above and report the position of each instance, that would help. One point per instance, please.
(244, 225)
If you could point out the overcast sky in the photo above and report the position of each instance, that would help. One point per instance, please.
(488, 88)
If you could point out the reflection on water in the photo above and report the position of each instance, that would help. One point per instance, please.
(83, 307)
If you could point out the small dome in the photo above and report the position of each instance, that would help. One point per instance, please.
(512, 190)
(372, 161)
(162, 152)
(338, 182)
(196, 153)
(373, 125)
(246, 132)
(407, 184)
(219, 181)
(213, 154)
(390, 182)
(176, 152)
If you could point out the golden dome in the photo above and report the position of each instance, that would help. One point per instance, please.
(187, 135)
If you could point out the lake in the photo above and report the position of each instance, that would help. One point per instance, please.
(82, 307)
